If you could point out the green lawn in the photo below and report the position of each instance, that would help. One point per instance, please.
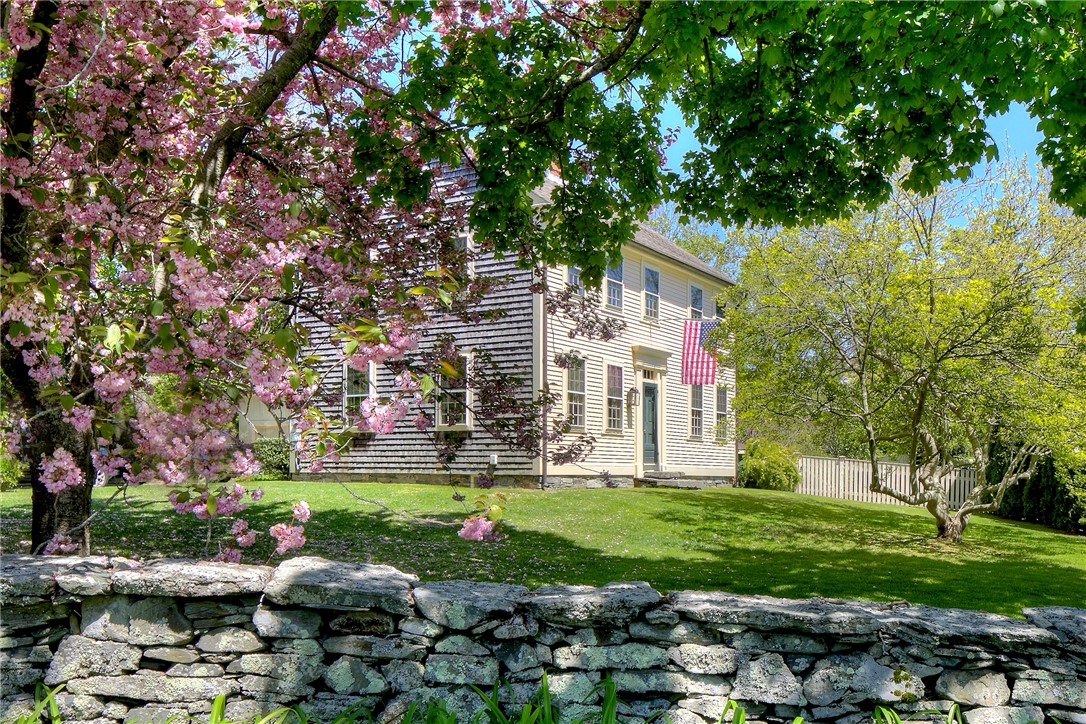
(744, 541)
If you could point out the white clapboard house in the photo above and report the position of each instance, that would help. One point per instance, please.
(629, 393)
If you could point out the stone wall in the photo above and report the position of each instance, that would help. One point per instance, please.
(138, 643)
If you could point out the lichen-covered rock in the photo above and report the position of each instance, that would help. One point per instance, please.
(679, 715)
(216, 613)
(685, 632)
(518, 627)
(981, 688)
(596, 658)
(79, 656)
(363, 623)
(1068, 624)
(403, 675)
(836, 677)
(464, 604)
(574, 686)
(767, 613)
(516, 656)
(302, 647)
(192, 579)
(321, 583)
(615, 604)
(709, 707)
(460, 645)
(1004, 715)
(924, 624)
(155, 715)
(769, 681)
(779, 643)
(374, 647)
(259, 686)
(349, 675)
(452, 669)
(287, 623)
(26, 579)
(143, 622)
(286, 667)
(420, 627)
(705, 659)
(677, 682)
(171, 654)
(203, 669)
(153, 686)
(78, 706)
(18, 619)
(230, 640)
(1042, 687)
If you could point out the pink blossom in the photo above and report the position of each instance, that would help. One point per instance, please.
(240, 526)
(60, 544)
(228, 555)
(246, 539)
(422, 421)
(301, 511)
(79, 417)
(479, 528)
(257, 494)
(288, 536)
(60, 471)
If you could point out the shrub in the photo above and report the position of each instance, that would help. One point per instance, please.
(1054, 496)
(11, 471)
(274, 457)
(769, 466)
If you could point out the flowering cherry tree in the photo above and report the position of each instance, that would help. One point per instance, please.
(185, 183)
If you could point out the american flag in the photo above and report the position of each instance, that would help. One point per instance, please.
(699, 364)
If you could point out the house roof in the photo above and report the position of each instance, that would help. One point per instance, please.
(646, 238)
(650, 239)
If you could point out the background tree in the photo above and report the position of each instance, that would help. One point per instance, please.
(181, 181)
(933, 341)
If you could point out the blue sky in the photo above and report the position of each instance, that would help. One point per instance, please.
(1014, 132)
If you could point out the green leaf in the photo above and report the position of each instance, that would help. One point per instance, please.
(113, 336)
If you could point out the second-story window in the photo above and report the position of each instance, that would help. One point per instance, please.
(697, 302)
(575, 388)
(573, 279)
(452, 405)
(652, 294)
(614, 286)
(614, 397)
(721, 413)
(356, 387)
(696, 410)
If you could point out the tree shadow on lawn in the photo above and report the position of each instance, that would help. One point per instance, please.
(764, 545)
(796, 546)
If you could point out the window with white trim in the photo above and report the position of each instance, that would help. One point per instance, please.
(652, 293)
(454, 251)
(573, 279)
(697, 302)
(696, 410)
(356, 387)
(452, 404)
(575, 389)
(721, 413)
(614, 397)
(614, 286)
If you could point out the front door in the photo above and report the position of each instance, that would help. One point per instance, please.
(649, 427)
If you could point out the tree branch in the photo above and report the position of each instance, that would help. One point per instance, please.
(227, 142)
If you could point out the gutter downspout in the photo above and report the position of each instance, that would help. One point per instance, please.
(544, 363)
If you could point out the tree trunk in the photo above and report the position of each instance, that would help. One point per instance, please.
(949, 524)
(59, 513)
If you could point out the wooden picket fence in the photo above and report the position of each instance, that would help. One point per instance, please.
(849, 479)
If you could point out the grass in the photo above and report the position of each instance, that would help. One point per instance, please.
(743, 541)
